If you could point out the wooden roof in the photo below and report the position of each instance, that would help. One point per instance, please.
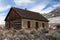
(28, 14)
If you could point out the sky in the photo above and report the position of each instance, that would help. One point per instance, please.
(41, 6)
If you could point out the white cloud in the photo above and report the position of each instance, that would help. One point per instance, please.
(56, 5)
(23, 2)
(2, 19)
(50, 9)
(38, 8)
(47, 10)
(3, 8)
(1, 2)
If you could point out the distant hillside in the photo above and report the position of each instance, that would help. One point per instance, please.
(53, 17)
(54, 13)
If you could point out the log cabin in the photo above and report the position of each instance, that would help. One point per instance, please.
(25, 19)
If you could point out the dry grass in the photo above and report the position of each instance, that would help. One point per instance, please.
(23, 35)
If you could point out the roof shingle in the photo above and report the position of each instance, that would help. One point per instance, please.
(29, 14)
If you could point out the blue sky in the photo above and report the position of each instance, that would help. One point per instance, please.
(41, 6)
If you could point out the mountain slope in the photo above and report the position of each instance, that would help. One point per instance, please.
(54, 13)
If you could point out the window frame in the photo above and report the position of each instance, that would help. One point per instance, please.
(28, 24)
(36, 25)
(43, 25)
